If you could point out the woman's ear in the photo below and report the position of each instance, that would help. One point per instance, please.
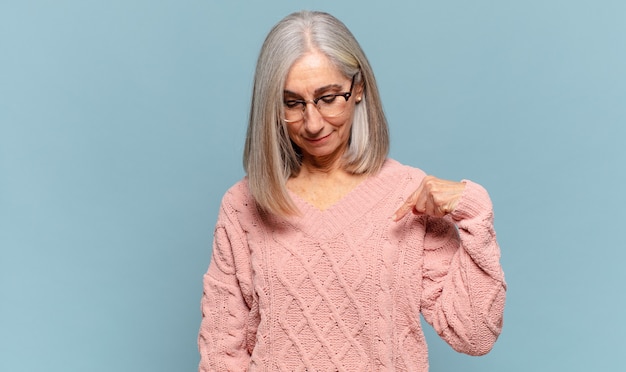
(358, 92)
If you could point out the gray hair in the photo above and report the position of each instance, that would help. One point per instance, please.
(270, 158)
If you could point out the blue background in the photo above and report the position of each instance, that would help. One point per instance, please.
(122, 124)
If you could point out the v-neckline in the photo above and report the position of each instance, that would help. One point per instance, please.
(325, 223)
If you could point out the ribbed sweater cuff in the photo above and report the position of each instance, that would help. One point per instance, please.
(474, 202)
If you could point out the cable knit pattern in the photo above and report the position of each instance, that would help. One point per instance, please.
(342, 289)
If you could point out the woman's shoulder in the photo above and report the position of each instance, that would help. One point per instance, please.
(393, 168)
(395, 177)
(238, 194)
(238, 205)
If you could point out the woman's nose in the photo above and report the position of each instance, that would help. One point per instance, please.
(313, 120)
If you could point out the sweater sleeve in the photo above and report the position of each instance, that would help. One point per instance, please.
(463, 282)
(229, 317)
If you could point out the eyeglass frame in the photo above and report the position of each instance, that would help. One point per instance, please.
(314, 101)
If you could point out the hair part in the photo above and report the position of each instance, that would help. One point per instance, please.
(270, 158)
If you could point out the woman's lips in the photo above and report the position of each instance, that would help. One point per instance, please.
(316, 141)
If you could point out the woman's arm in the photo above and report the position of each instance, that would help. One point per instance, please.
(224, 339)
(463, 283)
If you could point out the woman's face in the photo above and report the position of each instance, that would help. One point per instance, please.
(319, 137)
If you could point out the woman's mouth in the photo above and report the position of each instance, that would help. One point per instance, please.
(319, 139)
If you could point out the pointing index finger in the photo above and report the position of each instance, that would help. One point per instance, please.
(401, 212)
(409, 204)
(405, 208)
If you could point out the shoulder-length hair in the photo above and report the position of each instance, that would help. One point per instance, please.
(270, 158)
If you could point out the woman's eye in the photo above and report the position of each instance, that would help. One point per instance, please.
(328, 99)
(292, 103)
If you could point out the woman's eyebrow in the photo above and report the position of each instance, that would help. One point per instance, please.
(317, 92)
(291, 94)
(328, 87)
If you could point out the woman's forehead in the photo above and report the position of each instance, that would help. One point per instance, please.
(312, 72)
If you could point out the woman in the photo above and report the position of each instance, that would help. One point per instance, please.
(317, 263)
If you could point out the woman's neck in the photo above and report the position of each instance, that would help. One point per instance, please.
(323, 187)
(322, 166)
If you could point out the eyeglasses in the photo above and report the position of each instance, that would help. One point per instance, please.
(329, 105)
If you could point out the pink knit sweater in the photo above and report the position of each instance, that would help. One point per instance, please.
(343, 289)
